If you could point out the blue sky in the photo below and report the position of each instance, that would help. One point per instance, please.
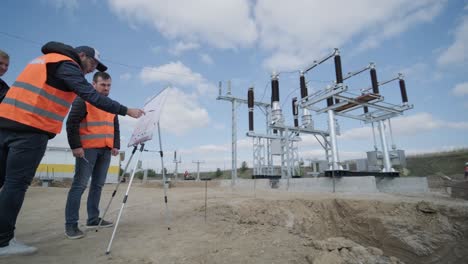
(192, 45)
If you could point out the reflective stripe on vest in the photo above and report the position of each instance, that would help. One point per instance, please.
(97, 128)
(33, 102)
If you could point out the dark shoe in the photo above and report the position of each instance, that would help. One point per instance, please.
(95, 224)
(16, 248)
(73, 232)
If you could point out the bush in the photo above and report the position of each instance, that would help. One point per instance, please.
(151, 174)
(244, 167)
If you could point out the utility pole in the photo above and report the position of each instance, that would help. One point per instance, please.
(198, 168)
(176, 164)
(145, 173)
(234, 103)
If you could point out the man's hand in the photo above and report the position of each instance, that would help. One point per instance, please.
(78, 152)
(135, 112)
(115, 152)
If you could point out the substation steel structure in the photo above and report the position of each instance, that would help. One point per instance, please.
(341, 102)
(282, 140)
(234, 103)
(277, 140)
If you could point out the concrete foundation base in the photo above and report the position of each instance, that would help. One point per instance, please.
(403, 185)
(366, 184)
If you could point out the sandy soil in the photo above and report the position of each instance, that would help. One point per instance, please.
(247, 227)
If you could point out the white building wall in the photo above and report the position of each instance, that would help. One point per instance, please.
(59, 163)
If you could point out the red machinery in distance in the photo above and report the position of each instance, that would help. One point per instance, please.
(188, 177)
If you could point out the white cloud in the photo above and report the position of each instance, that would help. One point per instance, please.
(182, 113)
(181, 47)
(403, 126)
(207, 150)
(218, 156)
(414, 124)
(245, 144)
(206, 58)
(212, 150)
(420, 72)
(292, 34)
(417, 70)
(403, 19)
(126, 76)
(458, 51)
(309, 140)
(319, 154)
(306, 29)
(176, 73)
(314, 154)
(127, 122)
(461, 89)
(361, 133)
(457, 125)
(283, 61)
(223, 24)
(422, 122)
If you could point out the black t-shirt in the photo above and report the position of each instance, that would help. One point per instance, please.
(3, 89)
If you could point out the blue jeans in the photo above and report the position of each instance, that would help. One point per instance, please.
(99, 160)
(20, 155)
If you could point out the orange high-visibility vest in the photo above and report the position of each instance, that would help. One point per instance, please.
(33, 102)
(97, 128)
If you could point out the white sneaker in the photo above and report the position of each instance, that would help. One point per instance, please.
(16, 248)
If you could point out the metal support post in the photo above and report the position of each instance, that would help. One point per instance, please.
(391, 134)
(234, 145)
(334, 148)
(383, 141)
(198, 168)
(176, 165)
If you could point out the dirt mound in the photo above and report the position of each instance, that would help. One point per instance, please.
(420, 232)
(245, 228)
(339, 250)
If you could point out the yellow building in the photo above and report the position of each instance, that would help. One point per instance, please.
(59, 163)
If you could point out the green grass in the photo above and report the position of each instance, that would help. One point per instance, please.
(448, 163)
(436, 163)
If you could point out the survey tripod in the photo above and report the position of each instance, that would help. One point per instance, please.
(142, 148)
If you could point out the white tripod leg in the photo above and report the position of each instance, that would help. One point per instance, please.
(124, 200)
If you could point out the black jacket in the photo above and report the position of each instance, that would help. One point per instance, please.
(3, 89)
(67, 76)
(77, 114)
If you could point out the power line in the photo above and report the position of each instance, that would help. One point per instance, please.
(105, 60)
(19, 38)
(287, 97)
